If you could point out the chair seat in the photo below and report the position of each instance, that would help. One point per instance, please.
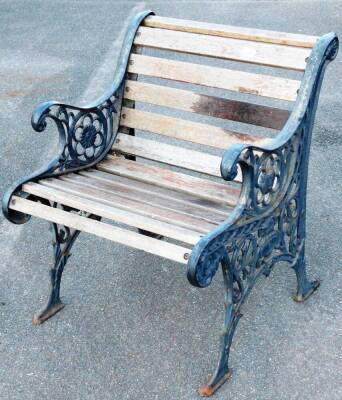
(177, 206)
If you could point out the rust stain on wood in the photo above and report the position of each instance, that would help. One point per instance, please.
(239, 111)
(242, 89)
(244, 137)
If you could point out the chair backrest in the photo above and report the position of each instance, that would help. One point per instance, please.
(252, 84)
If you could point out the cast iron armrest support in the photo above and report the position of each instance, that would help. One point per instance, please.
(86, 133)
(267, 224)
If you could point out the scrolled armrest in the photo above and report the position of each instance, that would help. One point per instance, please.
(39, 116)
(324, 51)
(86, 133)
(273, 174)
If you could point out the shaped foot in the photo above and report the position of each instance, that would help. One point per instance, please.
(210, 388)
(47, 313)
(312, 287)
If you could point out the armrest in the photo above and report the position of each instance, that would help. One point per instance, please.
(324, 51)
(86, 133)
(274, 177)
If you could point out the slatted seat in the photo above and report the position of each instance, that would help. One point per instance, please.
(177, 196)
(175, 209)
(197, 153)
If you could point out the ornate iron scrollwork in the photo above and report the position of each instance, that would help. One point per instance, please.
(86, 134)
(268, 225)
(272, 201)
(260, 228)
(63, 239)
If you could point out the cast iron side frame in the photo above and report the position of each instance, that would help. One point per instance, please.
(86, 133)
(268, 224)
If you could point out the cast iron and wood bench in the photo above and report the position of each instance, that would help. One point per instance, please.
(202, 161)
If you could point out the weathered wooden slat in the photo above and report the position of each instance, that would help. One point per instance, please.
(164, 249)
(188, 208)
(162, 177)
(136, 206)
(115, 214)
(273, 55)
(236, 32)
(222, 78)
(151, 190)
(186, 100)
(168, 154)
(195, 132)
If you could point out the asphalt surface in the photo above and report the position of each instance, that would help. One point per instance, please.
(133, 327)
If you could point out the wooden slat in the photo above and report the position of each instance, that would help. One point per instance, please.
(237, 32)
(173, 196)
(222, 78)
(187, 208)
(136, 206)
(186, 100)
(226, 48)
(168, 154)
(122, 236)
(115, 214)
(161, 177)
(195, 132)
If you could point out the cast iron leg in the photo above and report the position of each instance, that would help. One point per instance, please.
(305, 288)
(223, 372)
(63, 241)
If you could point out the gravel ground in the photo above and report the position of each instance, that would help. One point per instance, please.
(133, 327)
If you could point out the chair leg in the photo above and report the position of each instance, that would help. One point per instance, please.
(64, 238)
(305, 288)
(223, 372)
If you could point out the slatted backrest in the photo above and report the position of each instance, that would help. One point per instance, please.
(181, 84)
